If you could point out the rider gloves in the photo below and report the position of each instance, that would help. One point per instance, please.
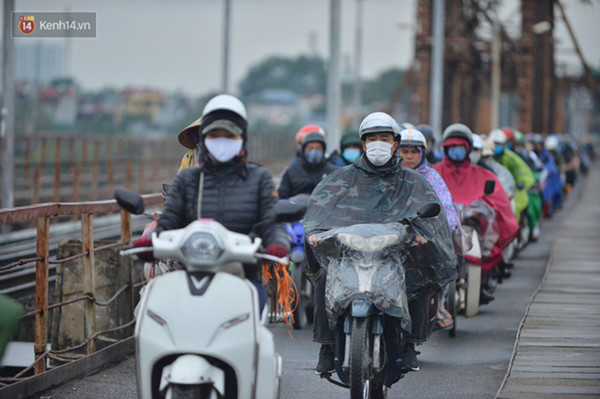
(277, 250)
(144, 242)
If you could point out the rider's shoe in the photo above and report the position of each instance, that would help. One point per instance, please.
(326, 364)
(485, 297)
(507, 265)
(409, 358)
(535, 234)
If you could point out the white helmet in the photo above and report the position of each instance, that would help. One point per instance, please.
(225, 102)
(412, 138)
(488, 148)
(498, 136)
(379, 122)
(551, 143)
(477, 142)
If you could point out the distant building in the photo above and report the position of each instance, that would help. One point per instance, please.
(39, 61)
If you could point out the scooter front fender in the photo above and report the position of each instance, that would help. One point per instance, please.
(193, 370)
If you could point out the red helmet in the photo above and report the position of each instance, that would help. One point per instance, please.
(510, 134)
(308, 129)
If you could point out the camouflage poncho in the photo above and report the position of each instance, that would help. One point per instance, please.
(362, 193)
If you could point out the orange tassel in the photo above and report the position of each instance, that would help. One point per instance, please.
(287, 292)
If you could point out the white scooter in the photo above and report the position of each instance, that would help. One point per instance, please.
(198, 332)
(468, 285)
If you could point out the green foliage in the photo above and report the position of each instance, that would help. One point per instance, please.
(302, 75)
(382, 87)
(308, 75)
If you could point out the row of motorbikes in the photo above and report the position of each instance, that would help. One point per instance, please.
(223, 348)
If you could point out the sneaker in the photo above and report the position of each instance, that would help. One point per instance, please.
(409, 358)
(535, 234)
(326, 364)
(485, 297)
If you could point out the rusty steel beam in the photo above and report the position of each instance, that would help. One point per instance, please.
(588, 74)
(536, 81)
(33, 212)
(41, 292)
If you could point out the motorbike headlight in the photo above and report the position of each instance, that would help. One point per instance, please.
(202, 248)
(370, 244)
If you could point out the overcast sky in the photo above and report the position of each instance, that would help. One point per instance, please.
(177, 44)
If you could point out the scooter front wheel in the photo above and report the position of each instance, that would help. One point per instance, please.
(180, 391)
(359, 359)
(299, 305)
(473, 290)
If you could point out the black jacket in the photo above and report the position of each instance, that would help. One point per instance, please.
(240, 197)
(300, 177)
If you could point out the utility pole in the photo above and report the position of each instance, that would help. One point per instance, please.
(333, 77)
(496, 74)
(357, 62)
(8, 109)
(226, 29)
(437, 69)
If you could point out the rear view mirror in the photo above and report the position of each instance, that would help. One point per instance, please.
(288, 212)
(300, 199)
(490, 186)
(291, 209)
(429, 210)
(129, 200)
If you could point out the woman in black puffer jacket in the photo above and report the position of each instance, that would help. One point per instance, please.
(237, 194)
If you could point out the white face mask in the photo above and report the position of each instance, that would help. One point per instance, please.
(475, 157)
(379, 152)
(223, 149)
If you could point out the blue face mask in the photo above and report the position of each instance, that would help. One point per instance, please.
(457, 154)
(498, 149)
(314, 156)
(351, 154)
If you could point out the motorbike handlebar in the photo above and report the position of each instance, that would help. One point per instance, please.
(272, 258)
(133, 251)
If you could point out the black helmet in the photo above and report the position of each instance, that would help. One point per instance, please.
(459, 131)
(314, 137)
(427, 131)
(350, 138)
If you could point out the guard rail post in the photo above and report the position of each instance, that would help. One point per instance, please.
(87, 261)
(41, 293)
(126, 239)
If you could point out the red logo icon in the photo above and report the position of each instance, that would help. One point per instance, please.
(27, 24)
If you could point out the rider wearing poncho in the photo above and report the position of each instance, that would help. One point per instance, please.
(377, 189)
(466, 183)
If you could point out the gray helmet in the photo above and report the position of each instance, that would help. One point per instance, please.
(460, 131)
(314, 137)
(379, 122)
